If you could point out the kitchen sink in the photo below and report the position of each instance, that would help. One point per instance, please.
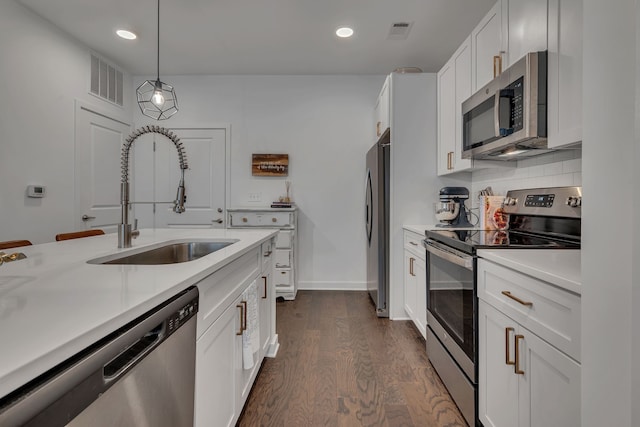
(171, 253)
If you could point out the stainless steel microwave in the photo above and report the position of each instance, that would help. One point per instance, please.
(507, 118)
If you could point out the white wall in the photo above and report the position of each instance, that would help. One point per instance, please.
(321, 122)
(610, 76)
(42, 73)
(635, 273)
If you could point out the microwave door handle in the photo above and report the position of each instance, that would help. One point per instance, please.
(496, 113)
(462, 261)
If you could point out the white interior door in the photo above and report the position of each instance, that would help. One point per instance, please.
(98, 141)
(205, 180)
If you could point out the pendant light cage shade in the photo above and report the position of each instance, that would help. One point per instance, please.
(157, 99)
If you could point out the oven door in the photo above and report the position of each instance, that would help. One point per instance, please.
(451, 302)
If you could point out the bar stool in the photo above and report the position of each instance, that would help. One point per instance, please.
(79, 234)
(14, 244)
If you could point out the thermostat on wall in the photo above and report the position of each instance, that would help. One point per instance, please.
(36, 191)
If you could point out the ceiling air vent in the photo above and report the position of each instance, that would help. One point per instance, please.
(399, 30)
(106, 80)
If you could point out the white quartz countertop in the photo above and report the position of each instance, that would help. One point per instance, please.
(421, 228)
(54, 304)
(560, 267)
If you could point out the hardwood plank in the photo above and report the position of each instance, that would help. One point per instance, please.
(341, 365)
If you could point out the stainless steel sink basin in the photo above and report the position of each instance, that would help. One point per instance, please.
(171, 253)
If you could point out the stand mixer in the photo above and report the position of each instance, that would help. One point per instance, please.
(450, 211)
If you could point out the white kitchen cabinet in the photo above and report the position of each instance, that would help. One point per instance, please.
(454, 86)
(488, 48)
(285, 253)
(415, 281)
(524, 380)
(381, 111)
(564, 92)
(222, 383)
(526, 28)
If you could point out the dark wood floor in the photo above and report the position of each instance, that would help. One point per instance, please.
(340, 365)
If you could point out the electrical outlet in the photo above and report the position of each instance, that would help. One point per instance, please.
(255, 197)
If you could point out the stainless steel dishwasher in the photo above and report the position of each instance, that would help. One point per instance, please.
(140, 375)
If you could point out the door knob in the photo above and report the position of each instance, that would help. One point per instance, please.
(86, 217)
(219, 210)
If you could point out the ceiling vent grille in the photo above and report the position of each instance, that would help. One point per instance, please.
(106, 80)
(399, 30)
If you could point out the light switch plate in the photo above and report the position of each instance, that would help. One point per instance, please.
(255, 197)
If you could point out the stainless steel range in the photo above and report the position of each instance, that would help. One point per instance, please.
(541, 218)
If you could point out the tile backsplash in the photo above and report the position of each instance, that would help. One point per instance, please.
(556, 169)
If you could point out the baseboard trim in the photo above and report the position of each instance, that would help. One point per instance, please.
(332, 286)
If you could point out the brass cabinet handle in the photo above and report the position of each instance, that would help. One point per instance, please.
(244, 326)
(241, 307)
(264, 278)
(517, 369)
(450, 160)
(411, 261)
(506, 346)
(274, 219)
(244, 219)
(515, 298)
(378, 128)
(497, 65)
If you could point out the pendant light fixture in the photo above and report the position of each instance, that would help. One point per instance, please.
(155, 98)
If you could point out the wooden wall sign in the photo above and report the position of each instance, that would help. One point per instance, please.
(270, 165)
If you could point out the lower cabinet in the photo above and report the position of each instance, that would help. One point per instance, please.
(523, 380)
(415, 281)
(222, 382)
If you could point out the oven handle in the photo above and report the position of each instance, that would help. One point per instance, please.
(448, 254)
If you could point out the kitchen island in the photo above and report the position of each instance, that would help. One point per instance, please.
(54, 304)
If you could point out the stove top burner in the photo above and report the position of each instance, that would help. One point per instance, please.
(471, 240)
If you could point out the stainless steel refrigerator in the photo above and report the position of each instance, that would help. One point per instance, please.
(377, 224)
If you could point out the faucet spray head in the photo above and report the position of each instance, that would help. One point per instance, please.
(181, 196)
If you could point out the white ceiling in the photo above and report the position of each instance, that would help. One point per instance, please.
(267, 36)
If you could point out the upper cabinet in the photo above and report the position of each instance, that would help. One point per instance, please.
(381, 110)
(454, 86)
(511, 29)
(564, 100)
(487, 47)
(525, 27)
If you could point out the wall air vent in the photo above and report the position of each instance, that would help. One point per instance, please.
(399, 30)
(106, 80)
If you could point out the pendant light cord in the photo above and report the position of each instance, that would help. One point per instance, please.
(158, 56)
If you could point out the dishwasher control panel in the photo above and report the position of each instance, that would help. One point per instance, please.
(180, 316)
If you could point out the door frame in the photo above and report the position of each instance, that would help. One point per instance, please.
(80, 105)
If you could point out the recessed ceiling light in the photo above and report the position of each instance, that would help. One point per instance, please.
(126, 34)
(344, 32)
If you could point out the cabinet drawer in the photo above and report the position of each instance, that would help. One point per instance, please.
(413, 243)
(219, 289)
(282, 278)
(283, 258)
(550, 312)
(285, 239)
(260, 219)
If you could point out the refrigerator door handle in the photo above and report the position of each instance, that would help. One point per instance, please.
(368, 206)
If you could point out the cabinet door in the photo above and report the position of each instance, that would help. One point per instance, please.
(486, 43)
(564, 99)
(266, 298)
(462, 59)
(549, 387)
(216, 355)
(382, 110)
(527, 28)
(410, 291)
(446, 117)
(497, 382)
(420, 272)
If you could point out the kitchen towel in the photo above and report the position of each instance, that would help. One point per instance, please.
(250, 339)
